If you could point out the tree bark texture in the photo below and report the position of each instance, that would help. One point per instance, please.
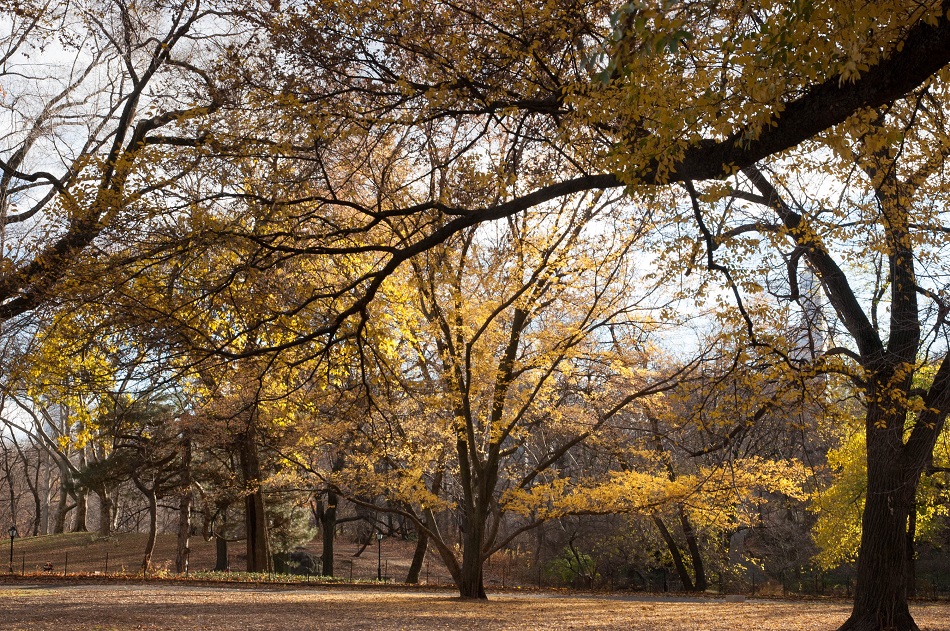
(880, 599)
(327, 517)
(106, 513)
(184, 534)
(674, 549)
(255, 517)
(152, 497)
(82, 506)
(418, 557)
(695, 554)
(59, 524)
(471, 584)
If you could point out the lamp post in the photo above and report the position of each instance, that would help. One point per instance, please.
(13, 533)
(379, 556)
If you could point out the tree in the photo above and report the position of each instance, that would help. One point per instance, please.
(839, 506)
(890, 210)
(147, 451)
(494, 359)
(82, 127)
(737, 419)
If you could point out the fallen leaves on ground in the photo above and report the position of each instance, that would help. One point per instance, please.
(173, 607)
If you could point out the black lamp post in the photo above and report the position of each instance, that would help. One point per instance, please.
(13, 534)
(379, 556)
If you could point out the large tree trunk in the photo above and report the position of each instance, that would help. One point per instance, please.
(471, 579)
(418, 557)
(695, 554)
(82, 506)
(59, 526)
(327, 517)
(674, 549)
(38, 503)
(880, 597)
(258, 553)
(106, 512)
(255, 518)
(220, 544)
(911, 562)
(221, 554)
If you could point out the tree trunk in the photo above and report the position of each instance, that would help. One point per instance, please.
(695, 554)
(258, 554)
(911, 563)
(9, 477)
(445, 551)
(184, 508)
(46, 480)
(327, 516)
(418, 557)
(106, 512)
(422, 545)
(880, 597)
(82, 505)
(33, 484)
(37, 501)
(152, 531)
(674, 549)
(184, 533)
(221, 554)
(471, 583)
(59, 526)
(220, 544)
(82, 498)
(255, 517)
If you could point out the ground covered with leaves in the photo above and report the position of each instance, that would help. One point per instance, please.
(101, 607)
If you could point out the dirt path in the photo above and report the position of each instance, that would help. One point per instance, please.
(61, 607)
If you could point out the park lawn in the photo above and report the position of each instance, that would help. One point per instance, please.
(65, 606)
(121, 553)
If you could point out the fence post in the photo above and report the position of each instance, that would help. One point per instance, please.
(65, 564)
(107, 563)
